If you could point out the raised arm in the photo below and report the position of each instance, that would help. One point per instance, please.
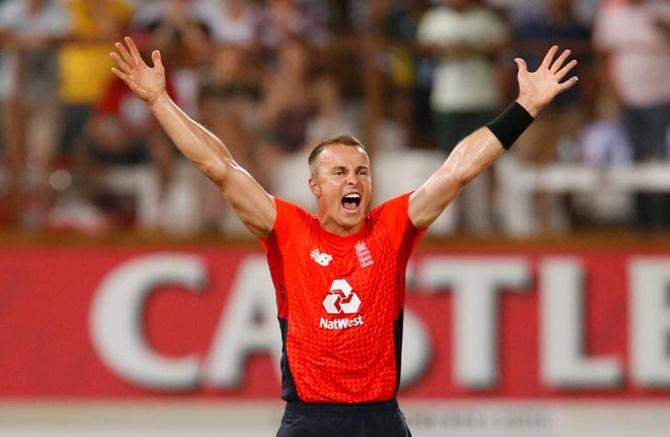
(251, 202)
(480, 149)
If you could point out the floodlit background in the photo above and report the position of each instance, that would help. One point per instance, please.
(133, 302)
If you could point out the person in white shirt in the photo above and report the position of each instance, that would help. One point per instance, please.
(634, 38)
(464, 37)
(30, 31)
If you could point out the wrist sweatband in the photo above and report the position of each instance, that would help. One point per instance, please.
(509, 125)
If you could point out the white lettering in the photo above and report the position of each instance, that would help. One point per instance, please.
(650, 321)
(476, 284)
(562, 360)
(248, 323)
(340, 323)
(116, 320)
(416, 349)
(247, 326)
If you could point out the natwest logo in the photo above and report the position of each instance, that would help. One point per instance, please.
(342, 299)
(341, 323)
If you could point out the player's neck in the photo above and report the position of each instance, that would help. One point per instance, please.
(329, 225)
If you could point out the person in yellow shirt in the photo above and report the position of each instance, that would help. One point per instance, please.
(84, 62)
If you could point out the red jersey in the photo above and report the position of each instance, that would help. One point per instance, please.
(340, 302)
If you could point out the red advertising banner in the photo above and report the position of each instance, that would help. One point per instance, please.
(200, 322)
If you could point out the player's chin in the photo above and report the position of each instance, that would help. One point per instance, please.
(351, 216)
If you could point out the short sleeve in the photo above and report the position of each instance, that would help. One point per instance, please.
(288, 217)
(495, 30)
(429, 29)
(60, 23)
(394, 216)
(605, 30)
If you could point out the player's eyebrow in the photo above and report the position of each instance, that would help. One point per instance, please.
(343, 168)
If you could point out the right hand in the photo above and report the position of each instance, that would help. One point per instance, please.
(148, 83)
(538, 88)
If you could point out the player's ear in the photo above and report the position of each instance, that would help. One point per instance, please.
(314, 188)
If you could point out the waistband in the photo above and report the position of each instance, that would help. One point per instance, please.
(366, 407)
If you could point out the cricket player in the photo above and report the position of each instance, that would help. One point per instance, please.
(339, 272)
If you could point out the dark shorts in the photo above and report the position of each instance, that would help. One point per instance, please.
(382, 419)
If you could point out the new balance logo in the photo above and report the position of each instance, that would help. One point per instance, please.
(322, 259)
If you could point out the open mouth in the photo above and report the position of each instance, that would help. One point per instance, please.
(351, 201)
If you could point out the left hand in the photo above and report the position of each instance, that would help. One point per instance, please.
(148, 83)
(538, 89)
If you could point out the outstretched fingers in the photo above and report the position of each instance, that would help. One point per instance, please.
(121, 75)
(133, 50)
(560, 61)
(123, 65)
(560, 74)
(549, 57)
(568, 83)
(125, 54)
(558, 69)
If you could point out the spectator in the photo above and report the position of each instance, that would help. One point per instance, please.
(281, 20)
(179, 31)
(634, 38)
(29, 33)
(393, 132)
(465, 37)
(124, 134)
(525, 10)
(229, 98)
(330, 119)
(402, 18)
(570, 110)
(285, 108)
(175, 28)
(604, 145)
(120, 128)
(84, 62)
(518, 10)
(231, 22)
(557, 129)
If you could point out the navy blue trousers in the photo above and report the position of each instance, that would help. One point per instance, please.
(378, 419)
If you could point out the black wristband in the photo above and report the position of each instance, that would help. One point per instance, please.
(509, 125)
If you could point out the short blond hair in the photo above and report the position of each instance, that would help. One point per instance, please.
(342, 140)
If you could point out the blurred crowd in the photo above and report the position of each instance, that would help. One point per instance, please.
(78, 152)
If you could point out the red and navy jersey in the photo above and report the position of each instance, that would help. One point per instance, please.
(340, 302)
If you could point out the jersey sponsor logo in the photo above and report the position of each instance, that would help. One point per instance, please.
(342, 323)
(363, 254)
(341, 299)
(323, 259)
